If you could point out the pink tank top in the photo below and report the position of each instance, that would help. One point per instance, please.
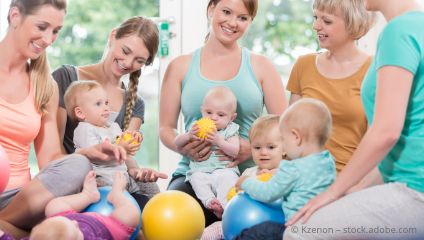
(19, 125)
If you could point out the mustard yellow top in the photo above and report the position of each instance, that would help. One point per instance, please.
(342, 97)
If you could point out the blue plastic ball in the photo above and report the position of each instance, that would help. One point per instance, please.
(105, 208)
(244, 212)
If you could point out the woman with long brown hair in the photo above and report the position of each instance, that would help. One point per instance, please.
(132, 45)
(28, 111)
(253, 78)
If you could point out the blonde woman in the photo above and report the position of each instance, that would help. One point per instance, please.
(335, 76)
(392, 93)
(253, 78)
(132, 45)
(28, 111)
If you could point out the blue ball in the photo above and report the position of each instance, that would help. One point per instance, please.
(105, 208)
(244, 212)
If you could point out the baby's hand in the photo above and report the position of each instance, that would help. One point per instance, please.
(127, 145)
(213, 137)
(137, 135)
(240, 182)
(273, 171)
(193, 132)
(146, 174)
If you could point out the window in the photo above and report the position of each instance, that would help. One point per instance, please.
(282, 30)
(81, 42)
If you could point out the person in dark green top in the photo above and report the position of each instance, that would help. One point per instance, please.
(392, 150)
(253, 78)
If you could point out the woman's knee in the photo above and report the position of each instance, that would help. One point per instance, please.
(78, 167)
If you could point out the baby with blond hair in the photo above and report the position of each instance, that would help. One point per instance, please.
(305, 127)
(267, 152)
(211, 179)
(87, 103)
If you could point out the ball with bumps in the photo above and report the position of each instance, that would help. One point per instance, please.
(127, 137)
(205, 125)
(264, 177)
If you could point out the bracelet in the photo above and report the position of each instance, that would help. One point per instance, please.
(329, 194)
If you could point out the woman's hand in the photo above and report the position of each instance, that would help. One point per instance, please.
(310, 207)
(244, 153)
(146, 174)
(198, 150)
(104, 151)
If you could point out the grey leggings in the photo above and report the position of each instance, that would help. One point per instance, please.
(390, 211)
(62, 177)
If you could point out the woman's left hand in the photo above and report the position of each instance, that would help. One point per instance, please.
(310, 207)
(147, 175)
(104, 151)
(244, 153)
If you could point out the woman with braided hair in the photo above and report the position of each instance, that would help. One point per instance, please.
(132, 45)
(28, 114)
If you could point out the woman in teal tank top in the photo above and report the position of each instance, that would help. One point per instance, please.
(222, 61)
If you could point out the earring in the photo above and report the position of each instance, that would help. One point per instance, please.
(14, 26)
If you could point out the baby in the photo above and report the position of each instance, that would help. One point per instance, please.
(211, 179)
(86, 102)
(267, 151)
(65, 222)
(305, 127)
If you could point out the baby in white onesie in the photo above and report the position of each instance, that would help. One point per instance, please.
(87, 103)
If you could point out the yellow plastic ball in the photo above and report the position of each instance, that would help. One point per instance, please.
(264, 177)
(205, 125)
(172, 215)
(127, 137)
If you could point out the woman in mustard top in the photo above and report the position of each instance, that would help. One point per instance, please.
(392, 95)
(335, 76)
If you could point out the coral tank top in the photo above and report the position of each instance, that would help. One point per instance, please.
(19, 126)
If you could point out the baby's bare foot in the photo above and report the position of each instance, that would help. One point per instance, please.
(90, 187)
(216, 207)
(118, 186)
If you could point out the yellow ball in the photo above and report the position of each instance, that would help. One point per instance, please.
(205, 125)
(127, 137)
(172, 215)
(264, 177)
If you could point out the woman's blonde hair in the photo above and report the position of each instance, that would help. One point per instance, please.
(251, 5)
(147, 30)
(358, 20)
(42, 82)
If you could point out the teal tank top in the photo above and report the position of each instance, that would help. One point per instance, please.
(250, 100)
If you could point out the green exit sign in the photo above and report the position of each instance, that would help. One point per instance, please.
(164, 39)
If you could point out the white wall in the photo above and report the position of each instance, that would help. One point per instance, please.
(190, 28)
(4, 8)
(368, 43)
